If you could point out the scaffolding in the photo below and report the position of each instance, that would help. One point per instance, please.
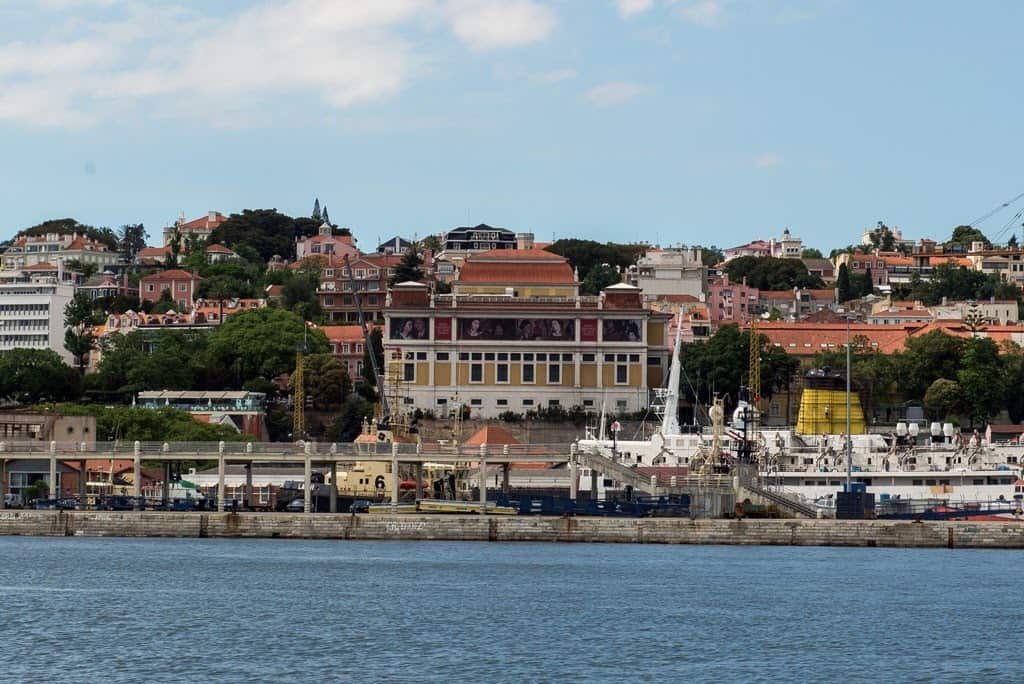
(823, 412)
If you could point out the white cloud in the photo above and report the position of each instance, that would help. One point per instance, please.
(492, 24)
(556, 76)
(342, 51)
(615, 93)
(704, 13)
(768, 160)
(629, 8)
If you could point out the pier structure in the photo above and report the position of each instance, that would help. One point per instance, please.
(311, 454)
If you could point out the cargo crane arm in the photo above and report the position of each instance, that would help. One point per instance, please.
(385, 410)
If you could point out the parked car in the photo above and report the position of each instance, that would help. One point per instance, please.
(13, 501)
(296, 506)
(360, 506)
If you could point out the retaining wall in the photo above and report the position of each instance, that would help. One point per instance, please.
(514, 528)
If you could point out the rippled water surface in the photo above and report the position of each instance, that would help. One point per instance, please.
(98, 610)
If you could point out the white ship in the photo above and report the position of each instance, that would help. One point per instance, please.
(937, 463)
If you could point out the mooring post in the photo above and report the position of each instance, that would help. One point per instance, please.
(395, 482)
(307, 480)
(574, 473)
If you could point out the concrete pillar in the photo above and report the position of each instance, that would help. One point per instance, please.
(220, 478)
(483, 487)
(53, 470)
(248, 485)
(593, 484)
(574, 473)
(419, 480)
(394, 475)
(334, 486)
(166, 489)
(82, 477)
(137, 472)
(505, 468)
(307, 485)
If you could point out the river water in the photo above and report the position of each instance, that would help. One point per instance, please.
(151, 610)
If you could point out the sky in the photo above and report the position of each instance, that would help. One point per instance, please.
(710, 122)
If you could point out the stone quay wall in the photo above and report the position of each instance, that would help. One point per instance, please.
(992, 535)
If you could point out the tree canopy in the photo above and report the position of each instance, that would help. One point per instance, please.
(29, 376)
(410, 268)
(66, 226)
(963, 236)
(583, 255)
(771, 273)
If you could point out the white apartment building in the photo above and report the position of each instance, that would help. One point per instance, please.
(32, 315)
(56, 248)
(672, 271)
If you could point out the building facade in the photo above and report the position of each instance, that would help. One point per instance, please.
(341, 279)
(32, 315)
(180, 284)
(673, 271)
(201, 227)
(516, 337)
(326, 243)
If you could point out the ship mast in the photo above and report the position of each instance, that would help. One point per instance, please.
(670, 421)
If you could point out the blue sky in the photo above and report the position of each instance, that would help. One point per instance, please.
(693, 121)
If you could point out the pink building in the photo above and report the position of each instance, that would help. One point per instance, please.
(731, 302)
(325, 243)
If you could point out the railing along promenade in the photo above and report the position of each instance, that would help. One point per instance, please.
(308, 453)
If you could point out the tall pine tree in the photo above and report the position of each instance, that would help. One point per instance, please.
(316, 216)
(409, 268)
(843, 284)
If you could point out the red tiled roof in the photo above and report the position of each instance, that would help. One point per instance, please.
(822, 295)
(805, 338)
(204, 222)
(343, 333)
(491, 434)
(517, 266)
(219, 249)
(173, 274)
(41, 266)
(154, 251)
(677, 298)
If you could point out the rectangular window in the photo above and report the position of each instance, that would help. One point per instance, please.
(150, 287)
(621, 374)
(476, 372)
(554, 374)
(609, 358)
(653, 361)
(634, 358)
(182, 287)
(527, 402)
(620, 404)
(328, 301)
(516, 357)
(477, 356)
(442, 356)
(476, 402)
(409, 372)
(503, 357)
(527, 357)
(421, 356)
(489, 356)
(542, 357)
(442, 402)
(503, 372)
(589, 358)
(503, 402)
(567, 357)
(528, 373)
(553, 402)
(588, 403)
(463, 356)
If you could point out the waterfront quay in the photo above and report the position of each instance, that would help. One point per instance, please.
(308, 454)
(486, 528)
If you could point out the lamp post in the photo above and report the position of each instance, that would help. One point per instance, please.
(849, 437)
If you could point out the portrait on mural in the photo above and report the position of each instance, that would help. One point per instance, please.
(410, 329)
(519, 329)
(621, 330)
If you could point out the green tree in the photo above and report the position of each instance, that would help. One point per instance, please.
(583, 255)
(131, 238)
(67, 226)
(262, 343)
(963, 236)
(267, 231)
(409, 269)
(600, 277)
(173, 258)
(944, 398)
(316, 216)
(79, 318)
(86, 270)
(29, 376)
(326, 379)
(349, 423)
(771, 273)
(1012, 242)
(432, 242)
(711, 256)
(925, 359)
(129, 423)
(882, 238)
(1012, 356)
(843, 286)
(811, 253)
(982, 380)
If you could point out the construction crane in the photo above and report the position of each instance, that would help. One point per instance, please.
(299, 391)
(385, 409)
(754, 372)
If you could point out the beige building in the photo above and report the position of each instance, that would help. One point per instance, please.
(515, 335)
